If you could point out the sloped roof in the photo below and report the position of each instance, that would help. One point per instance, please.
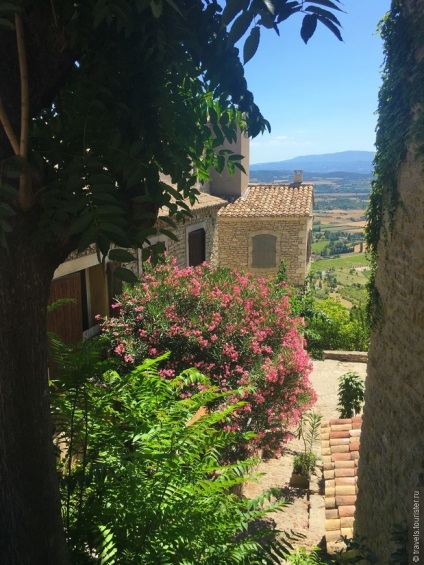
(340, 440)
(271, 200)
(203, 201)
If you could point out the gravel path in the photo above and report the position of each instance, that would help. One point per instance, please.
(306, 512)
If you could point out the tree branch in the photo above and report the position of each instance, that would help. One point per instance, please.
(25, 185)
(7, 126)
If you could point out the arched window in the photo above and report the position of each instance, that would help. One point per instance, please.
(264, 251)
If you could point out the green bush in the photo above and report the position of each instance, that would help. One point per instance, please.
(335, 328)
(235, 328)
(141, 482)
(350, 395)
(308, 431)
(303, 557)
(304, 463)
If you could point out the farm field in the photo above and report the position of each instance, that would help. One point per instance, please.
(345, 261)
(341, 220)
(351, 271)
(319, 245)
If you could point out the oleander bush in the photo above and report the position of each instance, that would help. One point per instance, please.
(142, 479)
(236, 329)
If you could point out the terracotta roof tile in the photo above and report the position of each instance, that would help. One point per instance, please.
(340, 449)
(272, 201)
(203, 201)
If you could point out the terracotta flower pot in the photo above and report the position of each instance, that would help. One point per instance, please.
(299, 481)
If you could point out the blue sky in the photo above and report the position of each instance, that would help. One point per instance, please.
(320, 97)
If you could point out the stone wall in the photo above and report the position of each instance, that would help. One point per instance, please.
(234, 237)
(391, 461)
(391, 464)
(202, 218)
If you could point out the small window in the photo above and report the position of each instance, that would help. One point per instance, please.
(196, 247)
(264, 251)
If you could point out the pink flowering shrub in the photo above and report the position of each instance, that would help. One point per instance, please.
(234, 328)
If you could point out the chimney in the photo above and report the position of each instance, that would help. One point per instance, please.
(298, 176)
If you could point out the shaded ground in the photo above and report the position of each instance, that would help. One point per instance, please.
(306, 513)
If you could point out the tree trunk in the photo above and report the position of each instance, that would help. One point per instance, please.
(31, 531)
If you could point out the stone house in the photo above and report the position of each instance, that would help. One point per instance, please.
(92, 286)
(251, 228)
(196, 236)
(267, 224)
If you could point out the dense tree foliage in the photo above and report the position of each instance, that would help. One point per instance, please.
(141, 472)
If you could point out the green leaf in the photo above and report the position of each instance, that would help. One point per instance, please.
(331, 27)
(5, 24)
(156, 7)
(240, 26)
(121, 255)
(235, 157)
(323, 13)
(221, 164)
(326, 3)
(100, 178)
(169, 234)
(5, 227)
(232, 8)
(6, 210)
(224, 119)
(88, 237)
(103, 197)
(213, 116)
(9, 7)
(309, 26)
(251, 44)
(167, 220)
(108, 209)
(81, 223)
(173, 5)
(126, 275)
(9, 191)
(240, 167)
(284, 11)
(142, 199)
(171, 190)
(116, 234)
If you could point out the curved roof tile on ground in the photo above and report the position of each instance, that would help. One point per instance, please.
(272, 200)
(340, 455)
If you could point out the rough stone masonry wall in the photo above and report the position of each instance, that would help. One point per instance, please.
(203, 218)
(234, 244)
(391, 463)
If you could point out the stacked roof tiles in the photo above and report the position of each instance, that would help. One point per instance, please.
(340, 454)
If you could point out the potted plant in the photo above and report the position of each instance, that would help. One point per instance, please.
(351, 394)
(304, 462)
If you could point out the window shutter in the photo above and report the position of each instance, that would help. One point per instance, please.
(196, 247)
(264, 250)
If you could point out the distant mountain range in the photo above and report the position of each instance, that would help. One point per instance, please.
(347, 161)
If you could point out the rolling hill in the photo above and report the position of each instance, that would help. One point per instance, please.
(346, 161)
